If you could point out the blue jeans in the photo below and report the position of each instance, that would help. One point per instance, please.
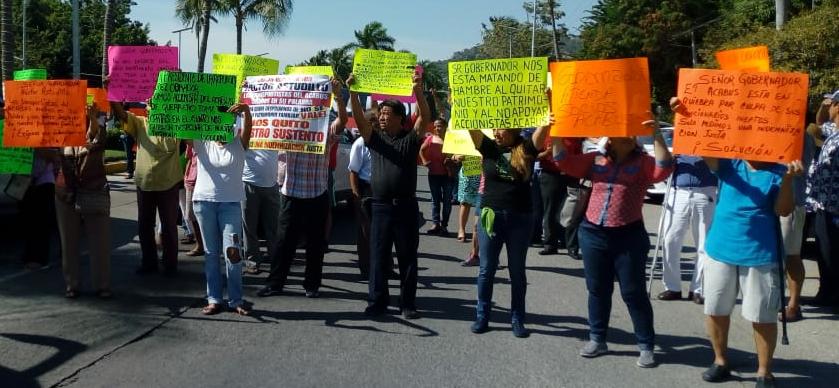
(441, 194)
(221, 228)
(511, 228)
(617, 252)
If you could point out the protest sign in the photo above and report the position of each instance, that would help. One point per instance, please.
(407, 99)
(600, 98)
(99, 97)
(193, 106)
(14, 160)
(290, 112)
(385, 72)
(499, 93)
(139, 112)
(310, 70)
(243, 66)
(134, 69)
(744, 59)
(471, 166)
(29, 75)
(460, 142)
(45, 113)
(741, 115)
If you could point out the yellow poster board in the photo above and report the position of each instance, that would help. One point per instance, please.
(243, 66)
(309, 70)
(384, 72)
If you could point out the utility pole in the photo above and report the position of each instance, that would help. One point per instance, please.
(533, 34)
(77, 68)
(780, 13)
(179, 42)
(23, 45)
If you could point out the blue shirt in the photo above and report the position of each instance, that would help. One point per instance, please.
(691, 171)
(745, 227)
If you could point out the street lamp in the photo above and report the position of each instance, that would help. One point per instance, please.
(261, 55)
(179, 42)
(77, 67)
(23, 44)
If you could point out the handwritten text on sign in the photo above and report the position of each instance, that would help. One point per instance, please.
(133, 70)
(193, 106)
(45, 113)
(385, 72)
(290, 112)
(738, 115)
(14, 160)
(311, 70)
(471, 166)
(600, 98)
(243, 66)
(499, 93)
(744, 59)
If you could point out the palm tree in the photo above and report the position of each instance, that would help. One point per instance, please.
(7, 35)
(199, 14)
(341, 61)
(374, 36)
(274, 15)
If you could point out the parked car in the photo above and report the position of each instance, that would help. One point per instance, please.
(656, 191)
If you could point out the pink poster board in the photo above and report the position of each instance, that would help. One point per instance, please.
(133, 70)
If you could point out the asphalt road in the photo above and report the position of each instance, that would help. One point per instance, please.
(152, 333)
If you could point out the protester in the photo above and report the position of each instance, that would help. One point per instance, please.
(37, 211)
(506, 213)
(575, 204)
(690, 205)
(553, 185)
(261, 206)
(128, 146)
(612, 235)
(394, 207)
(83, 207)
(359, 167)
(303, 212)
(158, 176)
(190, 175)
(439, 182)
(469, 198)
(792, 234)
(217, 204)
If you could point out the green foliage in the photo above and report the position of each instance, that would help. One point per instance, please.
(374, 36)
(49, 35)
(506, 37)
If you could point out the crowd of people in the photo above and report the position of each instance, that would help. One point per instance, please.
(746, 217)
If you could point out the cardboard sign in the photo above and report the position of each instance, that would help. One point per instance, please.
(193, 106)
(29, 75)
(100, 98)
(134, 69)
(499, 93)
(243, 66)
(406, 99)
(310, 70)
(600, 98)
(139, 112)
(14, 160)
(741, 115)
(45, 113)
(744, 59)
(290, 112)
(385, 72)
(460, 142)
(471, 166)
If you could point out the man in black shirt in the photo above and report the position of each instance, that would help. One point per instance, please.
(393, 152)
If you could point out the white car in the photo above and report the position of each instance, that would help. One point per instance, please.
(656, 191)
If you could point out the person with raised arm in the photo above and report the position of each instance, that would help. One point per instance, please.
(506, 215)
(303, 211)
(613, 239)
(393, 151)
(743, 253)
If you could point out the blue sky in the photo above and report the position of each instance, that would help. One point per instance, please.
(433, 29)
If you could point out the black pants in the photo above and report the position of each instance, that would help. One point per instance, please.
(362, 209)
(149, 204)
(827, 237)
(394, 222)
(37, 211)
(554, 190)
(299, 217)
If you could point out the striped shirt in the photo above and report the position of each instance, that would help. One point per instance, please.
(306, 175)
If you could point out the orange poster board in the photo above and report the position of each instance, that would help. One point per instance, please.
(744, 59)
(45, 113)
(600, 98)
(100, 98)
(741, 115)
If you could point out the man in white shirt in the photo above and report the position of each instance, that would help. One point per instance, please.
(261, 205)
(360, 174)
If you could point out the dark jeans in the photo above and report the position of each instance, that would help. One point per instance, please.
(261, 207)
(572, 241)
(827, 237)
(128, 146)
(554, 190)
(536, 200)
(298, 217)
(37, 213)
(149, 204)
(394, 222)
(507, 231)
(441, 194)
(362, 209)
(617, 252)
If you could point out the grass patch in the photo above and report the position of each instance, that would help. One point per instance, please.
(114, 155)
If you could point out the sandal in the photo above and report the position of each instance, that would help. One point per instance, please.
(241, 311)
(461, 238)
(71, 294)
(211, 309)
(104, 294)
(195, 252)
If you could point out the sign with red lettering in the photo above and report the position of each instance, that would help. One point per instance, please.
(290, 112)
(741, 115)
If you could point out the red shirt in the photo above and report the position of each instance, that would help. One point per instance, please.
(433, 152)
(573, 146)
(618, 191)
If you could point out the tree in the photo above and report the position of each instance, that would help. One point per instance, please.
(547, 12)
(340, 59)
(506, 37)
(374, 36)
(107, 30)
(199, 14)
(274, 15)
(8, 40)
